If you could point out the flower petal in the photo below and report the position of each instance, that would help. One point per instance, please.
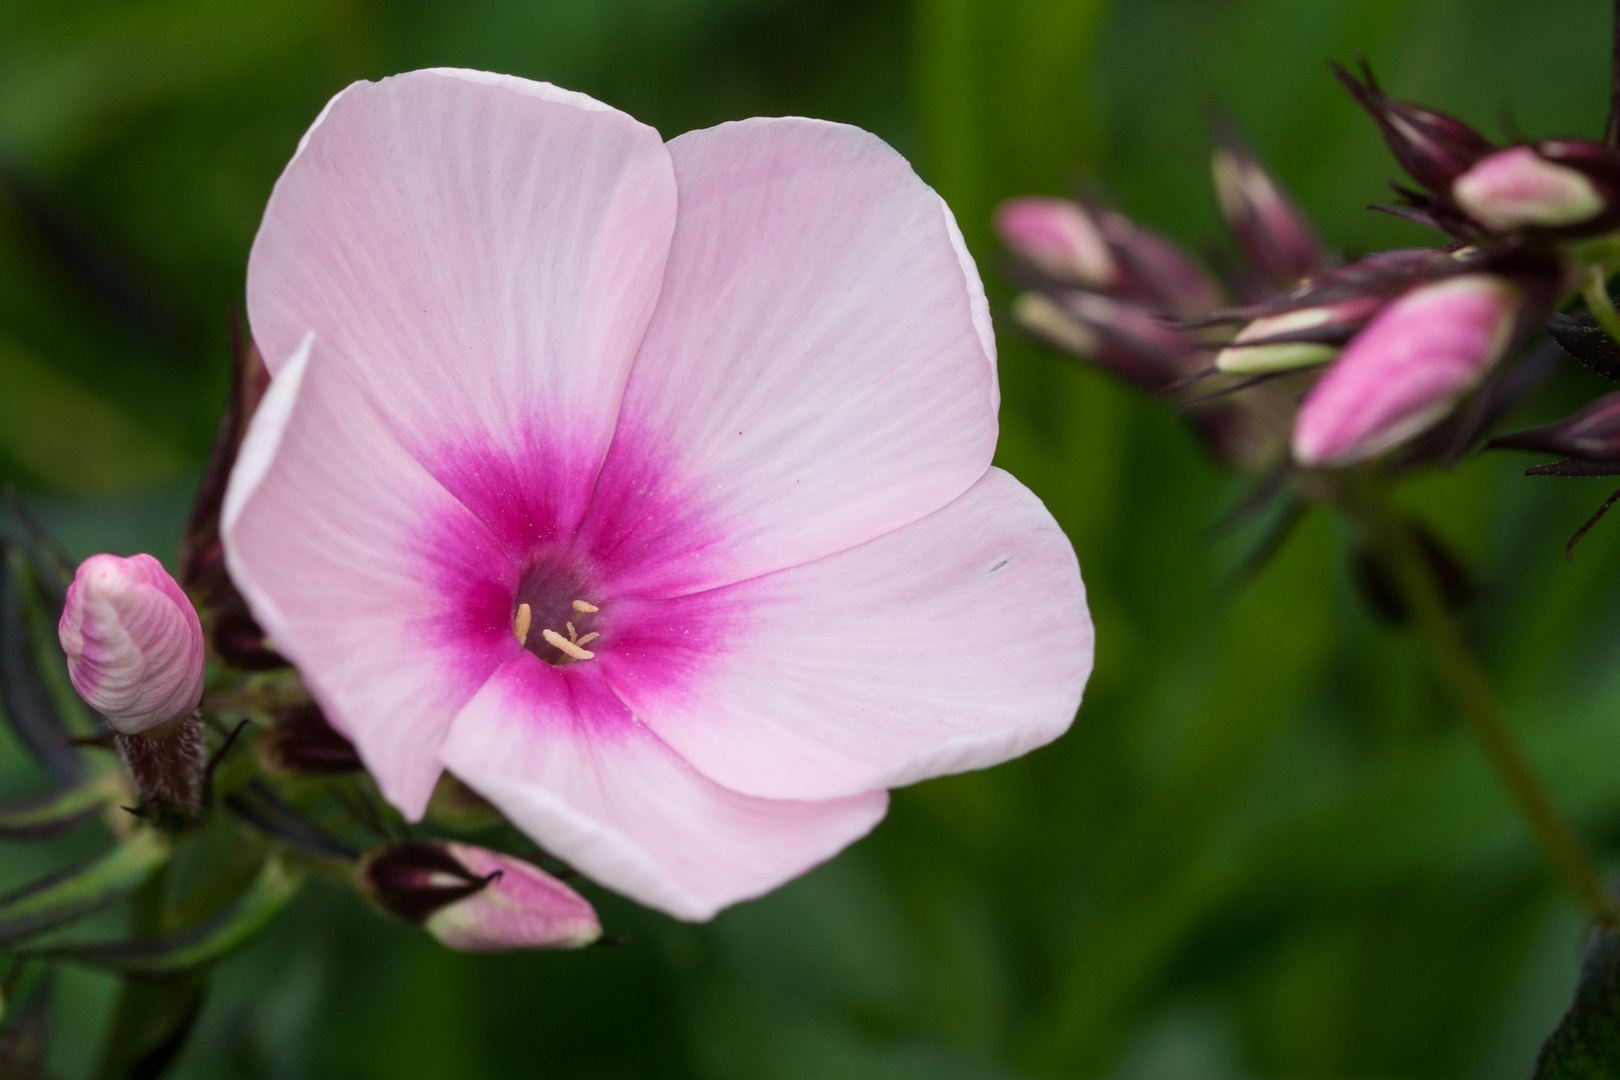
(957, 642)
(820, 369)
(324, 535)
(480, 254)
(562, 757)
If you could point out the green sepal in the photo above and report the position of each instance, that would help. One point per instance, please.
(76, 892)
(210, 940)
(59, 811)
(1586, 1045)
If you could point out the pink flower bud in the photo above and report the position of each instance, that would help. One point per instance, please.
(1517, 187)
(1405, 370)
(477, 900)
(1276, 238)
(1295, 339)
(1059, 237)
(133, 642)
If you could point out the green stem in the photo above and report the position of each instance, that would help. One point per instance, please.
(1472, 689)
(1596, 290)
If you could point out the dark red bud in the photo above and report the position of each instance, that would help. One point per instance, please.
(1591, 435)
(300, 742)
(1432, 147)
(1276, 238)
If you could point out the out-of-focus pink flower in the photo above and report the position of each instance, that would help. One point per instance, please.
(477, 900)
(1517, 187)
(1405, 370)
(133, 641)
(1060, 237)
(646, 487)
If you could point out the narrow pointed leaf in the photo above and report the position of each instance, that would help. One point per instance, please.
(23, 696)
(74, 893)
(208, 941)
(36, 819)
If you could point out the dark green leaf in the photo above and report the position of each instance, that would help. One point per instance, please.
(23, 696)
(80, 890)
(48, 815)
(197, 945)
(1586, 1045)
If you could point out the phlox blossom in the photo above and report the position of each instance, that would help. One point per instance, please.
(646, 487)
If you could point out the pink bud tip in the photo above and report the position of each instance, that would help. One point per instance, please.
(1059, 237)
(1405, 370)
(133, 641)
(1517, 187)
(523, 908)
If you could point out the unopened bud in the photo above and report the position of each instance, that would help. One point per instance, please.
(1591, 435)
(1279, 243)
(1404, 372)
(1058, 236)
(300, 742)
(1156, 270)
(477, 900)
(1517, 187)
(1295, 339)
(1432, 147)
(133, 642)
(1123, 337)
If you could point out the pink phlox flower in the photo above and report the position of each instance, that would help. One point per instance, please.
(645, 487)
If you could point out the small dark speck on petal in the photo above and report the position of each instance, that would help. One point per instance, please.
(999, 565)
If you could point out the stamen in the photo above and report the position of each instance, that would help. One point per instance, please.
(580, 605)
(565, 646)
(573, 635)
(587, 638)
(520, 625)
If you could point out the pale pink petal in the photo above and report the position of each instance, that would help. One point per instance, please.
(565, 761)
(954, 643)
(353, 559)
(480, 254)
(820, 369)
(1404, 372)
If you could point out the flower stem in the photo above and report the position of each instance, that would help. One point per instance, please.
(1596, 291)
(1472, 689)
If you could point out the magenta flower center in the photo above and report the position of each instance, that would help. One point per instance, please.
(555, 612)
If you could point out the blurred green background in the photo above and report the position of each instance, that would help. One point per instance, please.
(1267, 849)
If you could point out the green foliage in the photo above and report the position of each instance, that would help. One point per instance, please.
(1266, 848)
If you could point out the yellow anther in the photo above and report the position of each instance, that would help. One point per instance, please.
(520, 625)
(565, 646)
(587, 638)
(573, 635)
(580, 605)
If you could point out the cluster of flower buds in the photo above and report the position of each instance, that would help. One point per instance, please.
(476, 900)
(1362, 358)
